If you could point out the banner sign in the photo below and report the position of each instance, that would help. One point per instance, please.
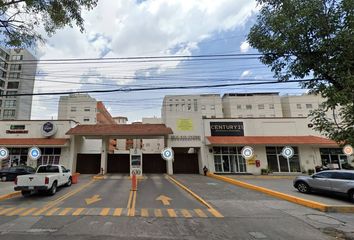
(226, 128)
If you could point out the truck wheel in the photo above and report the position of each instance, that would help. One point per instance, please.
(53, 189)
(26, 193)
(68, 184)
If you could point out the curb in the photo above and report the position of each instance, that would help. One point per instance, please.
(304, 202)
(190, 192)
(10, 195)
(98, 177)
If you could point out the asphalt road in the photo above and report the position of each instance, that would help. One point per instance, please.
(246, 214)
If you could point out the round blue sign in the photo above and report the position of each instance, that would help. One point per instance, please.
(34, 153)
(4, 153)
(167, 154)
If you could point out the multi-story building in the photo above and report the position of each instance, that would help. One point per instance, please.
(17, 75)
(249, 105)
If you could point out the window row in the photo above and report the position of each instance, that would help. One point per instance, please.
(250, 106)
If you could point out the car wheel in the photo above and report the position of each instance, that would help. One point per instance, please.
(53, 189)
(26, 193)
(68, 184)
(3, 179)
(303, 187)
(351, 195)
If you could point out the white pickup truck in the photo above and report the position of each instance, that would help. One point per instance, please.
(47, 178)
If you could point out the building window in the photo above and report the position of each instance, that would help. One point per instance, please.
(16, 57)
(49, 156)
(10, 103)
(86, 119)
(298, 106)
(183, 107)
(2, 83)
(277, 163)
(15, 67)
(333, 156)
(271, 106)
(73, 109)
(11, 93)
(229, 160)
(239, 106)
(13, 85)
(248, 107)
(0, 104)
(309, 106)
(203, 107)
(260, 106)
(171, 106)
(3, 64)
(195, 105)
(177, 107)
(9, 113)
(212, 107)
(189, 107)
(87, 109)
(17, 157)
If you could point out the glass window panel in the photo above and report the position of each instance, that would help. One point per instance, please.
(226, 163)
(272, 163)
(283, 162)
(232, 150)
(217, 150)
(57, 151)
(271, 150)
(56, 159)
(48, 151)
(225, 150)
(295, 164)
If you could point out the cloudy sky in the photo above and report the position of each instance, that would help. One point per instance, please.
(150, 28)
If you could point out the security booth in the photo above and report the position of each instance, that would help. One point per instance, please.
(93, 142)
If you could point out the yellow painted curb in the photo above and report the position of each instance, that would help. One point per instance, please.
(190, 192)
(308, 203)
(10, 195)
(98, 177)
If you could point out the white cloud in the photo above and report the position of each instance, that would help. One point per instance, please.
(128, 28)
(246, 73)
(244, 47)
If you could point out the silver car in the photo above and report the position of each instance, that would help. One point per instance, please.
(335, 181)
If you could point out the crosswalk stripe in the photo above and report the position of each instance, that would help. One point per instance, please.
(117, 212)
(39, 212)
(78, 211)
(215, 213)
(6, 210)
(65, 211)
(158, 213)
(200, 213)
(28, 212)
(15, 212)
(52, 211)
(186, 213)
(171, 212)
(144, 212)
(104, 212)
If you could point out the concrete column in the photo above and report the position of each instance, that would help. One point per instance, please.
(73, 152)
(104, 151)
(169, 167)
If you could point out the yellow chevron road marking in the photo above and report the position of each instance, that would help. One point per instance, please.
(78, 211)
(158, 213)
(117, 212)
(104, 212)
(25, 213)
(40, 211)
(200, 213)
(51, 211)
(215, 213)
(65, 211)
(171, 212)
(144, 212)
(17, 211)
(6, 210)
(186, 213)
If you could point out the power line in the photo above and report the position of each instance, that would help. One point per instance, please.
(156, 88)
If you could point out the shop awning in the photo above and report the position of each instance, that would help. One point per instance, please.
(139, 130)
(33, 141)
(270, 140)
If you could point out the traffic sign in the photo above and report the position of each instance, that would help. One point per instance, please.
(34, 153)
(348, 150)
(247, 152)
(287, 152)
(167, 154)
(4, 153)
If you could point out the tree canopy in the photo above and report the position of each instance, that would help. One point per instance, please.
(21, 19)
(312, 38)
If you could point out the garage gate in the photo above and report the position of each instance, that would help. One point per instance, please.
(88, 163)
(118, 163)
(153, 163)
(186, 163)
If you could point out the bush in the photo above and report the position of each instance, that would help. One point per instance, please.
(310, 171)
(265, 171)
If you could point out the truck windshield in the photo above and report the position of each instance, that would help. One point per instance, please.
(48, 169)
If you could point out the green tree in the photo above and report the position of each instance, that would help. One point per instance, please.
(21, 19)
(312, 38)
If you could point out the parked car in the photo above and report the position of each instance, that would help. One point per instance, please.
(47, 179)
(333, 181)
(9, 174)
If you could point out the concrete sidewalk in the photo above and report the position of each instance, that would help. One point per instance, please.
(6, 188)
(285, 185)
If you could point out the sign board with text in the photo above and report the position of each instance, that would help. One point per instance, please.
(226, 129)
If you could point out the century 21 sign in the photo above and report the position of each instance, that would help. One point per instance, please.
(226, 128)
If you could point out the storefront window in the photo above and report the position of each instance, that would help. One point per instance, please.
(49, 156)
(333, 156)
(277, 163)
(17, 156)
(229, 159)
